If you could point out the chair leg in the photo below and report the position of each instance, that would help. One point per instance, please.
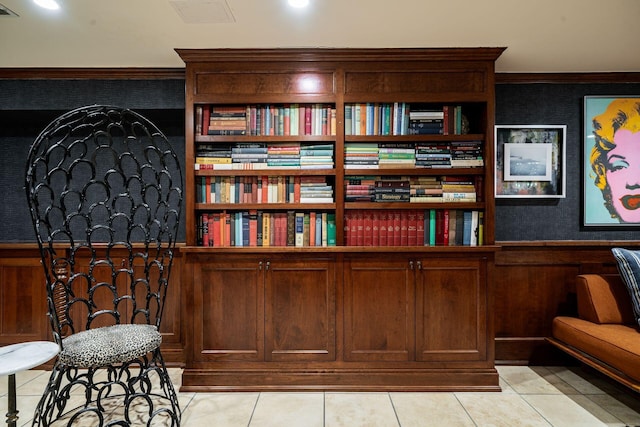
(139, 392)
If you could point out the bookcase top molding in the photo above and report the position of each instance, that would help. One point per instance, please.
(343, 54)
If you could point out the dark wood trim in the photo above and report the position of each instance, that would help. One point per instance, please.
(179, 73)
(342, 54)
(93, 73)
(515, 78)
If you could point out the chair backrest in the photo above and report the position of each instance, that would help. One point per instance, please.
(104, 189)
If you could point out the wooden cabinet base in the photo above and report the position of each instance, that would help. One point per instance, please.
(209, 380)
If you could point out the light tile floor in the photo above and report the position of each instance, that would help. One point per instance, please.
(531, 396)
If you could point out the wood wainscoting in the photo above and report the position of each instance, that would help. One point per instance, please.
(534, 282)
(23, 303)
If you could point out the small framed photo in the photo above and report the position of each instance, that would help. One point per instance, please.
(530, 161)
(611, 161)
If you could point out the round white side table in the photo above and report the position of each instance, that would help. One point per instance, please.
(20, 357)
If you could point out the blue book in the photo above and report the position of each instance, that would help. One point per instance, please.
(466, 236)
(238, 230)
(318, 235)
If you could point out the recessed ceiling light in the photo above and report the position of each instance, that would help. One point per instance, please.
(48, 4)
(298, 3)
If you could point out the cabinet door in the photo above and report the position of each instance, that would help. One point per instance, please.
(379, 309)
(300, 310)
(451, 310)
(23, 303)
(228, 298)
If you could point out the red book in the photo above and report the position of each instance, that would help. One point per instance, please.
(383, 217)
(375, 240)
(420, 228)
(397, 219)
(404, 228)
(206, 118)
(412, 228)
(307, 120)
(214, 229)
(205, 229)
(445, 228)
(367, 220)
(359, 228)
(254, 189)
(208, 189)
(312, 228)
(439, 227)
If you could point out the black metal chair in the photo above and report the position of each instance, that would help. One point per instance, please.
(104, 189)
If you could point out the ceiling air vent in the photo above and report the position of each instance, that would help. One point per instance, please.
(5, 11)
(203, 11)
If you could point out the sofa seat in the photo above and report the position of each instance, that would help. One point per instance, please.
(616, 345)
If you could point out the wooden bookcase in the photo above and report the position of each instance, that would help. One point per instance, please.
(354, 309)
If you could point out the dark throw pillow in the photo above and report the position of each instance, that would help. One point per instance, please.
(629, 268)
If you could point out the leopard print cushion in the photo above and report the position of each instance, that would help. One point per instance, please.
(109, 345)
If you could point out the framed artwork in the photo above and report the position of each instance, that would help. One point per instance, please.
(530, 161)
(611, 161)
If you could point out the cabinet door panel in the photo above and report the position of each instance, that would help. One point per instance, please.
(379, 310)
(228, 297)
(300, 311)
(23, 301)
(451, 310)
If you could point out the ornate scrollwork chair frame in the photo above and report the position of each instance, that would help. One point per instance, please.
(104, 189)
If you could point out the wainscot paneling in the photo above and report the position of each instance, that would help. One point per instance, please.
(534, 282)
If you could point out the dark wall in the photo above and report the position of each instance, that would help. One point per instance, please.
(27, 106)
(553, 104)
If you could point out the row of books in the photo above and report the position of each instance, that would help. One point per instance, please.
(413, 189)
(259, 155)
(400, 118)
(414, 227)
(255, 228)
(263, 189)
(426, 154)
(279, 120)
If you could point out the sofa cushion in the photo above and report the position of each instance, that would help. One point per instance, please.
(616, 345)
(603, 298)
(629, 268)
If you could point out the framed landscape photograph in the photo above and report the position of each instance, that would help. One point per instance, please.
(611, 161)
(530, 161)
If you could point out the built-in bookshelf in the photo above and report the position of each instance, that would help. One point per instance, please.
(339, 219)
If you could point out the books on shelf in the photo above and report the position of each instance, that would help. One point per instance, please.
(258, 228)
(401, 118)
(422, 154)
(263, 189)
(260, 155)
(413, 227)
(266, 119)
(412, 189)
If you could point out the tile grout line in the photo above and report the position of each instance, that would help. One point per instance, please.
(393, 406)
(465, 409)
(253, 410)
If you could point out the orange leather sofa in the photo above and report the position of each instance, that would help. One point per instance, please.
(604, 335)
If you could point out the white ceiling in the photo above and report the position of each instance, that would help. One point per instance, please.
(540, 35)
